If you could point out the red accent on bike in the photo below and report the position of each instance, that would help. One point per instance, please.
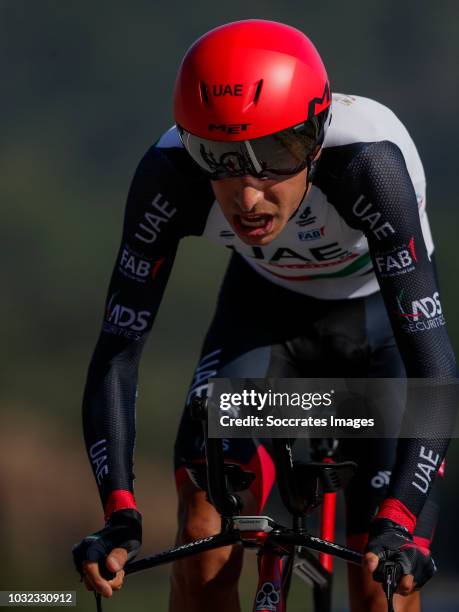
(263, 467)
(327, 525)
(260, 464)
(119, 499)
(254, 536)
(269, 597)
(394, 510)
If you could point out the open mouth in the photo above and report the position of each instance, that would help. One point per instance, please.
(253, 225)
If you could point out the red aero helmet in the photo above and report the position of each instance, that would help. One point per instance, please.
(249, 79)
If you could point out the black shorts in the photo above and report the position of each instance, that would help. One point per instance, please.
(262, 330)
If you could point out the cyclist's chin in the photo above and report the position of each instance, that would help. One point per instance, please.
(258, 232)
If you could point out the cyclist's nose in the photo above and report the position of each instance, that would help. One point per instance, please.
(248, 196)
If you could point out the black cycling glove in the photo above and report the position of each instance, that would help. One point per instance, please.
(122, 530)
(392, 542)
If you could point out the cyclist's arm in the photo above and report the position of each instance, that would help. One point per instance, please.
(382, 203)
(150, 236)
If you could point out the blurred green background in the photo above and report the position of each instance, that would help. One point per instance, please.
(86, 88)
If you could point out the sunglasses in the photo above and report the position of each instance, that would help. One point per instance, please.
(280, 154)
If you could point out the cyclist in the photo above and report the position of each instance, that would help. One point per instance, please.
(321, 198)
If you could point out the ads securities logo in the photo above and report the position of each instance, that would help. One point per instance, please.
(123, 321)
(423, 314)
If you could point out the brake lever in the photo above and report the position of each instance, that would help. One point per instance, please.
(392, 573)
(98, 601)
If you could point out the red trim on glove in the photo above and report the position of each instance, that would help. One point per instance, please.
(423, 544)
(394, 510)
(119, 499)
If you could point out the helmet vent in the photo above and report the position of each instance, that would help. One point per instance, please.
(203, 90)
(258, 91)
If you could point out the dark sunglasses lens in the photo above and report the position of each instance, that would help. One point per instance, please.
(283, 153)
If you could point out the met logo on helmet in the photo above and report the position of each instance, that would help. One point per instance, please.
(229, 128)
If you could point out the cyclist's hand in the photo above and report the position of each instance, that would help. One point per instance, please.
(100, 557)
(95, 581)
(390, 541)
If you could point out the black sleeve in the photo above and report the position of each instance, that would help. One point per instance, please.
(153, 226)
(380, 200)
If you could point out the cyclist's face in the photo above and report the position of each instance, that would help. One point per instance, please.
(256, 209)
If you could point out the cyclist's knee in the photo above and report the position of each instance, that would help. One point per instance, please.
(211, 573)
